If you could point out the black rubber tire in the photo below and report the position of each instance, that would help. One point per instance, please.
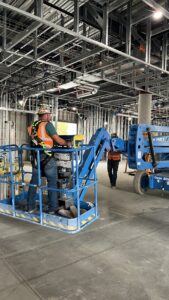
(138, 178)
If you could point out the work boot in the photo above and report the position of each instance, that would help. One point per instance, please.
(73, 211)
(64, 213)
(114, 187)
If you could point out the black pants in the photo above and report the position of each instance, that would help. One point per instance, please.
(112, 168)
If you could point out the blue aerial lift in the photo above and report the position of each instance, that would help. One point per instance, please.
(147, 150)
(84, 161)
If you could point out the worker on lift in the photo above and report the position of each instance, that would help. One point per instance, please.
(114, 158)
(43, 135)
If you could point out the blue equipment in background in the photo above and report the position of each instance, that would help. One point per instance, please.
(147, 149)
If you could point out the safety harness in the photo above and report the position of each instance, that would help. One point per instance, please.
(37, 142)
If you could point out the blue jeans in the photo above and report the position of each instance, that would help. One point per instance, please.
(50, 172)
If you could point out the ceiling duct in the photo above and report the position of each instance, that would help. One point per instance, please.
(85, 89)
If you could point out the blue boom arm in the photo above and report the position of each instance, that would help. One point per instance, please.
(102, 141)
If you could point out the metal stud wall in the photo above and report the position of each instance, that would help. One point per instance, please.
(97, 117)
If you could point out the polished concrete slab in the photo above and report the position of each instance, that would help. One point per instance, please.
(123, 255)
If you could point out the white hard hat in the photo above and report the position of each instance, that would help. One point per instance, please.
(43, 110)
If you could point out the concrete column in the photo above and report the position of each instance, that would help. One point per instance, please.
(144, 108)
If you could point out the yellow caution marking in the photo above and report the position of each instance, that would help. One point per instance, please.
(20, 215)
(84, 222)
(35, 219)
(71, 228)
(6, 211)
(88, 219)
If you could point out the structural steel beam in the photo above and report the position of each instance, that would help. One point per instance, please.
(76, 15)
(116, 4)
(128, 28)
(105, 24)
(38, 4)
(164, 51)
(4, 28)
(95, 15)
(80, 36)
(81, 18)
(21, 36)
(56, 47)
(85, 56)
(148, 41)
(38, 9)
(160, 30)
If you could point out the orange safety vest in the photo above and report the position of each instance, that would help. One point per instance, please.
(113, 155)
(42, 134)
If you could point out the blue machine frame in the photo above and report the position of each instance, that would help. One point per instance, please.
(147, 140)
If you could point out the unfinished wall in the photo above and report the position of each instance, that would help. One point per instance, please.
(13, 128)
(13, 125)
(97, 117)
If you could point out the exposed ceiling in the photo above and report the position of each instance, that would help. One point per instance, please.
(84, 52)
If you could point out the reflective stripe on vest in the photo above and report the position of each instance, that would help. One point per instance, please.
(42, 134)
(112, 155)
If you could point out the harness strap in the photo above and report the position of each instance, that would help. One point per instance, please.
(37, 139)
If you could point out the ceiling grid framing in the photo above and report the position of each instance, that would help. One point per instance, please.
(86, 49)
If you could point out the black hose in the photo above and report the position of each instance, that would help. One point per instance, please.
(151, 148)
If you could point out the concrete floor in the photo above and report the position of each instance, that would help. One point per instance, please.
(122, 256)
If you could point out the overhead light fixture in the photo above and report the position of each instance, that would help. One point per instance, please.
(68, 85)
(20, 102)
(157, 15)
(74, 108)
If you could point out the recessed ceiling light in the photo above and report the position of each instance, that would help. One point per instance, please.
(157, 15)
(20, 102)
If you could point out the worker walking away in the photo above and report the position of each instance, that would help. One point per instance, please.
(43, 135)
(114, 158)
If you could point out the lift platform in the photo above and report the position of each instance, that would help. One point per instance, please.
(13, 178)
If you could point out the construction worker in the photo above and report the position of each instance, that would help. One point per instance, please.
(43, 135)
(113, 164)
